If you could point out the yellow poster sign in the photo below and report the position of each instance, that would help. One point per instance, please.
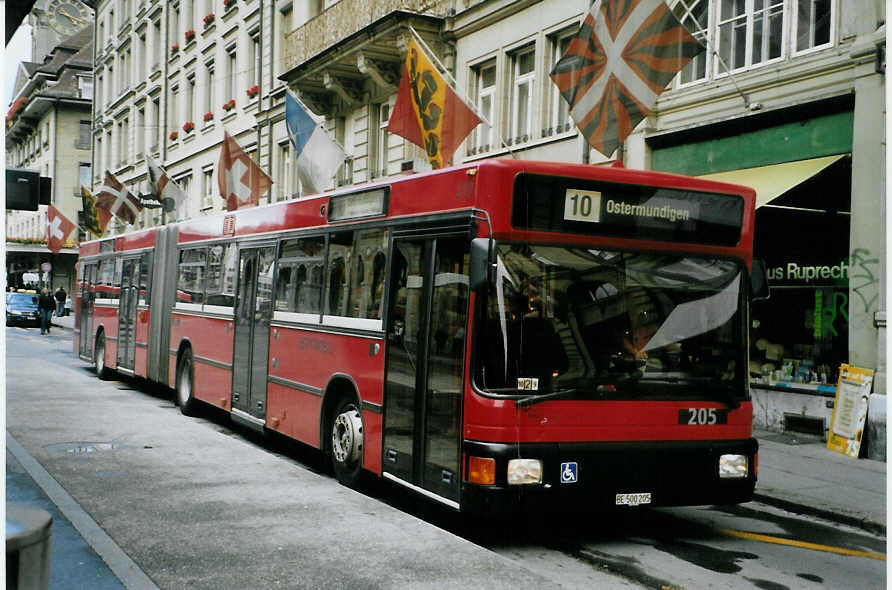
(850, 410)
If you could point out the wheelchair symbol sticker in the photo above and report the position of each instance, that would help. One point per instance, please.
(569, 472)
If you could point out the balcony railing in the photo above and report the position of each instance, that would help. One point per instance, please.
(344, 18)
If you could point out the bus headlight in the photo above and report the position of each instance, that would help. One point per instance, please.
(524, 471)
(733, 466)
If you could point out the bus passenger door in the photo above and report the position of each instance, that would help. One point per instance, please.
(86, 310)
(425, 364)
(253, 311)
(127, 312)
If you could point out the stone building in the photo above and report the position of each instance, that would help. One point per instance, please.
(788, 98)
(170, 77)
(48, 130)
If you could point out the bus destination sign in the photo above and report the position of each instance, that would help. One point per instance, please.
(613, 209)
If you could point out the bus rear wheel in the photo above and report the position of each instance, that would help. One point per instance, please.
(99, 357)
(347, 443)
(185, 380)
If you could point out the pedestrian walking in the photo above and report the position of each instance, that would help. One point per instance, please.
(60, 296)
(46, 306)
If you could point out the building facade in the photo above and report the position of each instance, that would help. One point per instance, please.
(48, 129)
(788, 98)
(171, 77)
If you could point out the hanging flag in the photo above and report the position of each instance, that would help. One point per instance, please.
(240, 179)
(162, 188)
(95, 218)
(620, 61)
(58, 228)
(114, 197)
(428, 112)
(318, 155)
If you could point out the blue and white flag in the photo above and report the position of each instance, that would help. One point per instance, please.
(318, 155)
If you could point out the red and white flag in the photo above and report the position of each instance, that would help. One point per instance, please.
(620, 61)
(241, 181)
(114, 197)
(58, 228)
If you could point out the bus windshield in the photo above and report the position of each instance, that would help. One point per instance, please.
(580, 323)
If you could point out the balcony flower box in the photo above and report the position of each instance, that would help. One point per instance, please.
(209, 19)
(253, 91)
(228, 106)
(227, 4)
(190, 35)
(208, 116)
(173, 135)
(188, 126)
(174, 48)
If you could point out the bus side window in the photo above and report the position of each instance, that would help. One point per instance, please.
(340, 253)
(367, 279)
(116, 285)
(285, 288)
(191, 276)
(299, 282)
(310, 298)
(106, 279)
(377, 291)
(221, 275)
(145, 278)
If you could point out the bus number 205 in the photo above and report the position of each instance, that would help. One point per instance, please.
(698, 416)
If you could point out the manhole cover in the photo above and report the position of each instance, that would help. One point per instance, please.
(79, 449)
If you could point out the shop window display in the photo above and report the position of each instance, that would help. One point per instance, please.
(799, 336)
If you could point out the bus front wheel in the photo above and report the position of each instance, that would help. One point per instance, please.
(347, 443)
(185, 380)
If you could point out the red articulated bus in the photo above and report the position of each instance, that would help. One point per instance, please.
(490, 335)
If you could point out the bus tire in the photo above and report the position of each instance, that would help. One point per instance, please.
(347, 442)
(185, 381)
(99, 357)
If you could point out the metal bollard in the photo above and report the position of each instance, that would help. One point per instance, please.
(27, 547)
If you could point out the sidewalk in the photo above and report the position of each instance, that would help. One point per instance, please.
(800, 474)
(66, 322)
(73, 561)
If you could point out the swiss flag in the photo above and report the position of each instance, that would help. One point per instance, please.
(58, 228)
(241, 181)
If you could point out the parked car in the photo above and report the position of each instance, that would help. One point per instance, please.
(21, 308)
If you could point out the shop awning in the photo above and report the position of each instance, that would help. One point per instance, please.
(772, 181)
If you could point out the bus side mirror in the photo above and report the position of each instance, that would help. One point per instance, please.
(480, 265)
(759, 281)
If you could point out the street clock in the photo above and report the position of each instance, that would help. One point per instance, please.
(67, 17)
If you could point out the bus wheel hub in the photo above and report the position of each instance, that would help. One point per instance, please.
(346, 437)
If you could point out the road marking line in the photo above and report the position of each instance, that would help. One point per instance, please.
(111, 553)
(802, 544)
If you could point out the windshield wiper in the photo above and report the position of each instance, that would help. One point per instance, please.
(535, 399)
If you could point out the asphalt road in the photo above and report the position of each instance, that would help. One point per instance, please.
(195, 503)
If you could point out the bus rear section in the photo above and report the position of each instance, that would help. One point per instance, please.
(611, 371)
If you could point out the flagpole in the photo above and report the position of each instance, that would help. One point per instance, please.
(468, 103)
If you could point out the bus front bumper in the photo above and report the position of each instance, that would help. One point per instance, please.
(598, 476)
